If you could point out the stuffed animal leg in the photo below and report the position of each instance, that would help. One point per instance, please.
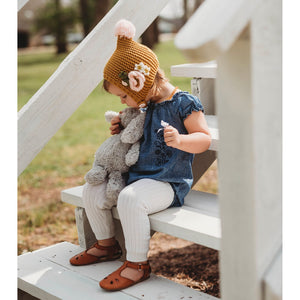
(96, 175)
(115, 185)
(132, 155)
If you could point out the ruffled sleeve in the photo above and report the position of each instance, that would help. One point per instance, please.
(187, 104)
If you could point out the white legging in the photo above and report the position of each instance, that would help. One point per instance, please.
(136, 201)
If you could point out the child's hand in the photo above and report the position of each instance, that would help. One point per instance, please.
(116, 126)
(172, 137)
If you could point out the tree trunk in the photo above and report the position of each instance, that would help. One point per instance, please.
(101, 9)
(197, 4)
(185, 11)
(60, 32)
(85, 16)
(151, 36)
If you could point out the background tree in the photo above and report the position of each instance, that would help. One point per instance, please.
(92, 11)
(85, 16)
(151, 35)
(56, 19)
(189, 8)
(101, 9)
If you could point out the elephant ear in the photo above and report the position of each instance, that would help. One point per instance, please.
(109, 115)
(134, 130)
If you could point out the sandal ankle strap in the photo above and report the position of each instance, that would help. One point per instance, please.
(111, 250)
(137, 266)
(108, 248)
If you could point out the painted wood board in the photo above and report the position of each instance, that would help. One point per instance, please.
(236, 168)
(196, 70)
(250, 166)
(205, 202)
(213, 28)
(152, 289)
(198, 221)
(47, 280)
(204, 89)
(273, 279)
(73, 196)
(62, 252)
(189, 224)
(266, 72)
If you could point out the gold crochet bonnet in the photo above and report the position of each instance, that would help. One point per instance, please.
(133, 66)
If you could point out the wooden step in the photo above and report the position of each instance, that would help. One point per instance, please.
(197, 221)
(203, 70)
(47, 274)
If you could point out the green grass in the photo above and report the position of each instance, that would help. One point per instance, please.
(70, 152)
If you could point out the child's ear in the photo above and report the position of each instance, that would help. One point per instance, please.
(109, 115)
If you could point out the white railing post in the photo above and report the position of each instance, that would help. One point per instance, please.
(236, 169)
(245, 38)
(249, 111)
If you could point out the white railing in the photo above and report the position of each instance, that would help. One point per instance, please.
(245, 37)
(75, 78)
(214, 28)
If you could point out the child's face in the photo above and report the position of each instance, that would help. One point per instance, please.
(125, 99)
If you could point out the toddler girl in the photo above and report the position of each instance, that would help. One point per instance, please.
(174, 129)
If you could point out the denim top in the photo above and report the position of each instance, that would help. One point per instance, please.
(157, 160)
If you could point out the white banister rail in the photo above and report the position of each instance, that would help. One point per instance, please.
(246, 40)
(75, 78)
(213, 28)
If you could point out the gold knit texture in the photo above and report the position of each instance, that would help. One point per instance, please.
(125, 59)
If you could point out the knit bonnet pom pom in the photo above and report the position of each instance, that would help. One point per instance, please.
(124, 29)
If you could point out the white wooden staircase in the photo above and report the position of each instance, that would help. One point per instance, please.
(245, 39)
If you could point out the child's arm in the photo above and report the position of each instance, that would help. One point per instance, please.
(198, 138)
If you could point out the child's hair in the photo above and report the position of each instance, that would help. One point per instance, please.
(159, 80)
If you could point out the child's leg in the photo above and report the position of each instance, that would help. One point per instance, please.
(135, 203)
(98, 210)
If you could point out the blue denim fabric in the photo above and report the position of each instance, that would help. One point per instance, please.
(157, 160)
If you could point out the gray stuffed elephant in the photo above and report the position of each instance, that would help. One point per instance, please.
(120, 151)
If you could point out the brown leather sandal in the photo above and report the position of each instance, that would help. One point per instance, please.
(115, 282)
(113, 252)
